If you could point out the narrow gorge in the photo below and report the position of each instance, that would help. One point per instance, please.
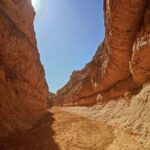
(121, 62)
(104, 106)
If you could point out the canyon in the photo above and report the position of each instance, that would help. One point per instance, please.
(121, 62)
(113, 89)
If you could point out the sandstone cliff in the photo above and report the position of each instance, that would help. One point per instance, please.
(117, 79)
(23, 89)
(121, 62)
(128, 115)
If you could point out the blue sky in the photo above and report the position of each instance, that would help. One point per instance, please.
(68, 33)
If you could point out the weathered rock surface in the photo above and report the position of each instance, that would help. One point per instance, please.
(23, 89)
(120, 66)
(129, 113)
(121, 62)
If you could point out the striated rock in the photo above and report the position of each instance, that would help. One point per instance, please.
(128, 113)
(114, 79)
(121, 62)
(23, 89)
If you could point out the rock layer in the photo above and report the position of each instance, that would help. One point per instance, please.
(129, 113)
(23, 89)
(121, 62)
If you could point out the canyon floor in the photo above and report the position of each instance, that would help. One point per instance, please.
(62, 130)
(116, 125)
(58, 129)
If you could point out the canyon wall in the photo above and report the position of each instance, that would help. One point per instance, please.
(121, 62)
(23, 89)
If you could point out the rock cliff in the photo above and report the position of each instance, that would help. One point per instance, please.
(116, 82)
(121, 62)
(129, 115)
(23, 89)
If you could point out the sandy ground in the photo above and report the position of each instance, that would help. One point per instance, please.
(122, 124)
(58, 129)
(61, 130)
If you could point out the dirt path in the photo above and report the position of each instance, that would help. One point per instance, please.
(60, 130)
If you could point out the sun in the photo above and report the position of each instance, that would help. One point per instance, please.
(36, 4)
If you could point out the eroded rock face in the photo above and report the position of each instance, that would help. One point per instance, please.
(130, 113)
(23, 89)
(121, 62)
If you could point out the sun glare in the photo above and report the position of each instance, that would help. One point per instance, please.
(36, 4)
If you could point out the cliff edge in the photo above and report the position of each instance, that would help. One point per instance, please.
(23, 89)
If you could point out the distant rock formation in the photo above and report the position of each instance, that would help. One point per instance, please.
(23, 89)
(121, 62)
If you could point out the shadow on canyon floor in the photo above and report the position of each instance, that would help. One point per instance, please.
(38, 138)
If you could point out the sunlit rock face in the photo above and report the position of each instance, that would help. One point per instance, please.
(23, 89)
(121, 62)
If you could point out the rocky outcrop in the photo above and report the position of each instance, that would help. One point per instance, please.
(121, 62)
(129, 114)
(23, 89)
